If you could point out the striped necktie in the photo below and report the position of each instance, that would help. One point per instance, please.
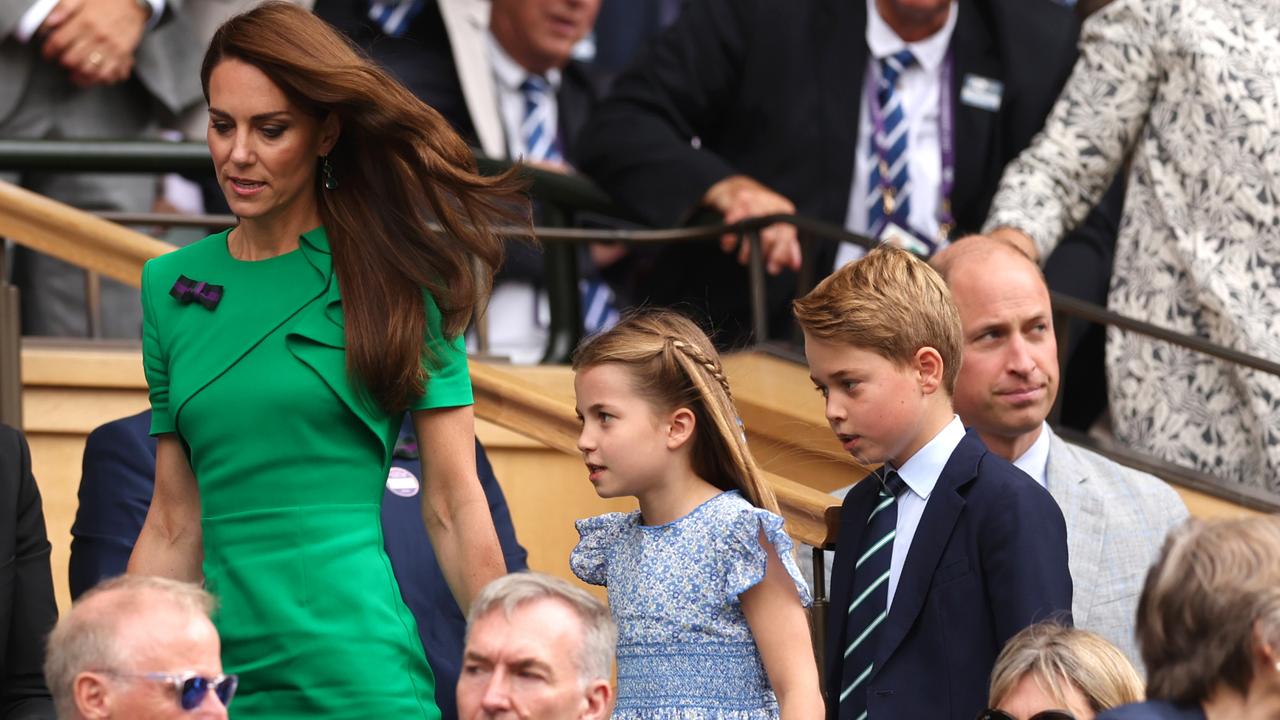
(393, 16)
(889, 147)
(537, 130)
(542, 143)
(870, 604)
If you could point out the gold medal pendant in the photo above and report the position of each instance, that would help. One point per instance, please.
(889, 204)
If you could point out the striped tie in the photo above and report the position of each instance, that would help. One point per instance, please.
(537, 130)
(889, 146)
(869, 607)
(542, 143)
(393, 16)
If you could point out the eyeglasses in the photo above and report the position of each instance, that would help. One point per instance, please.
(191, 687)
(993, 714)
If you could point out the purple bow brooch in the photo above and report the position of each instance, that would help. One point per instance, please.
(186, 290)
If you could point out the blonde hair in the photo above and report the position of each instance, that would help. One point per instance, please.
(1059, 658)
(599, 633)
(88, 638)
(891, 303)
(674, 365)
(1214, 590)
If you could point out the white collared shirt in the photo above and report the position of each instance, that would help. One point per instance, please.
(1035, 461)
(508, 76)
(919, 87)
(920, 472)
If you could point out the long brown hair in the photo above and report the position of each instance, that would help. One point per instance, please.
(400, 167)
(673, 365)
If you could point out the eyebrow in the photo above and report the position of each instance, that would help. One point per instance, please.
(843, 372)
(256, 118)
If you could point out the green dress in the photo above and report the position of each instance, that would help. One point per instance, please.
(291, 461)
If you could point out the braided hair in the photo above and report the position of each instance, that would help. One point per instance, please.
(673, 365)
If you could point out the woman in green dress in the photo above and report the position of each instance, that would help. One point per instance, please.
(281, 355)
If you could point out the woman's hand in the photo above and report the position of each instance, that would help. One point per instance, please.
(171, 542)
(454, 508)
(781, 629)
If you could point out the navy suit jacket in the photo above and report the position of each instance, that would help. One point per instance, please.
(115, 492)
(988, 559)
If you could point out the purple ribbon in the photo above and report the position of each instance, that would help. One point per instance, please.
(186, 290)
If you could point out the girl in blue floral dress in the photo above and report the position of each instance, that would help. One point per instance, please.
(702, 581)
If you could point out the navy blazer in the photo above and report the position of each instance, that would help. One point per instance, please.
(27, 608)
(115, 492)
(988, 559)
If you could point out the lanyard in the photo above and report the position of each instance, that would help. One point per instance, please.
(946, 143)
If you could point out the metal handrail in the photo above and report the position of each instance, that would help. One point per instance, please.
(577, 193)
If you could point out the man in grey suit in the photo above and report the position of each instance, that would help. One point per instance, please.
(1116, 517)
(88, 69)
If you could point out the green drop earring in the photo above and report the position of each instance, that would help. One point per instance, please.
(330, 183)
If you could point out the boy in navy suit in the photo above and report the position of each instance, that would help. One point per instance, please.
(946, 550)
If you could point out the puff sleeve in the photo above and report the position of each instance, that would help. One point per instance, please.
(744, 559)
(598, 537)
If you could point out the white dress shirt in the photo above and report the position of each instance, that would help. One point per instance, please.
(509, 75)
(919, 87)
(1035, 461)
(920, 473)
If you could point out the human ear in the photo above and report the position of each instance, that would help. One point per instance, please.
(929, 369)
(92, 696)
(680, 428)
(599, 701)
(330, 129)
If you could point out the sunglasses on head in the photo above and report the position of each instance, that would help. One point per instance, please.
(993, 714)
(192, 687)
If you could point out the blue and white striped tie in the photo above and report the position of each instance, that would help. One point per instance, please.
(542, 143)
(870, 604)
(393, 16)
(890, 145)
(537, 130)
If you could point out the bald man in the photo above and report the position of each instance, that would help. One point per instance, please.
(1116, 517)
(139, 647)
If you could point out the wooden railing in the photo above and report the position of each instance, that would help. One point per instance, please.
(100, 246)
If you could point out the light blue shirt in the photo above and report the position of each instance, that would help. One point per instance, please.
(920, 472)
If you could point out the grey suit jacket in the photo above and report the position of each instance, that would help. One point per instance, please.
(163, 62)
(1117, 519)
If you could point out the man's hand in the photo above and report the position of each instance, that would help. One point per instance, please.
(739, 197)
(94, 39)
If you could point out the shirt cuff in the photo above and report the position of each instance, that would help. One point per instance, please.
(157, 10)
(33, 18)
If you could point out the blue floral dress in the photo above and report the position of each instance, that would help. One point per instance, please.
(684, 648)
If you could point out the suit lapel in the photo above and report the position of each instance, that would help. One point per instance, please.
(1085, 516)
(841, 63)
(931, 538)
(467, 23)
(853, 522)
(573, 104)
(975, 53)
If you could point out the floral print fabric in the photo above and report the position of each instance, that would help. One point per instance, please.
(1190, 91)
